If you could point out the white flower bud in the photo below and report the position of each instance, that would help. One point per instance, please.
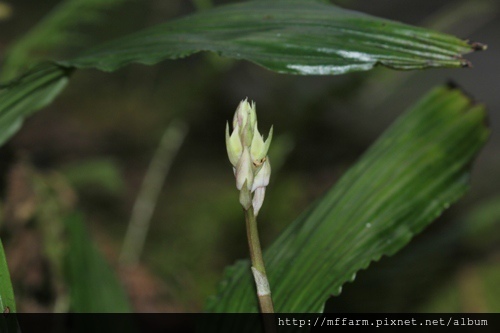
(242, 114)
(245, 197)
(259, 148)
(258, 199)
(244, 172)
(263, 176)
(233, 145)
(247, 152)
(252, 116)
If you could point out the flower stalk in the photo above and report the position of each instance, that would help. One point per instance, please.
(247, 152)
(258, 267)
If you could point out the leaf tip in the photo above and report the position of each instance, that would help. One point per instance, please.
(465, 63)
(453, 85)
(477, 46)
(473, 102)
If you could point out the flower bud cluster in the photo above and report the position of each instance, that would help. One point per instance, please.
(247, 152)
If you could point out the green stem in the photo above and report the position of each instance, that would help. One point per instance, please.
(258, 268)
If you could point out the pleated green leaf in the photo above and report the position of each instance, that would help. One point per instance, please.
(29, 93)
(7, 302)
(403, 182)
(292, 36)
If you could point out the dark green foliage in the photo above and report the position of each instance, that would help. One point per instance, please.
(293, 37)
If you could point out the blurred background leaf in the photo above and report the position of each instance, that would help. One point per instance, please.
(94, 287)
(56, 30)
(5, 11)
(99, 176)
(7, 302)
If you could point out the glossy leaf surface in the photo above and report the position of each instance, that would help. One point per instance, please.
(294, 36)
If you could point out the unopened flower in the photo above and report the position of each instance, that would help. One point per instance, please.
(244, 173)
(258, 199)
(233, 145)
(263, 175)
(247, 152)
(260, 147)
